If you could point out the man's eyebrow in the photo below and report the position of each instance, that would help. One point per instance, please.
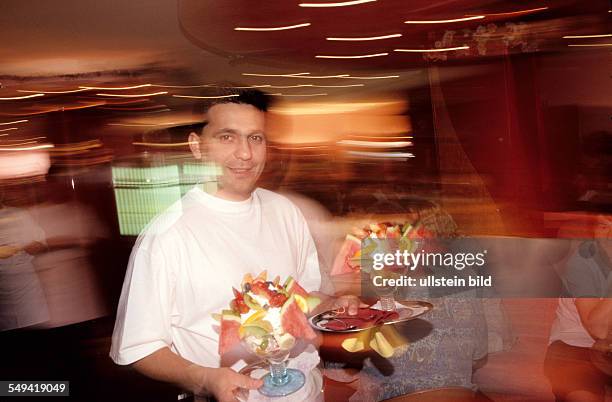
(236, 132)
(226, 130)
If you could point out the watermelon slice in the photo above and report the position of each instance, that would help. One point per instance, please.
(294, 321)
(344, 263)
(292, 287)
(229, 336)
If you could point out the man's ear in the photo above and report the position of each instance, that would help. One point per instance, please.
(194, 145)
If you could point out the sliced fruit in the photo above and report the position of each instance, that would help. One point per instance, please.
(406, 229)
(292, 287)
(251, 302)
(261, 289)
(374, 227)
(294, 321)
(286, 341)
(278, 300)
(354, 239)
(248, 278)
(344, 262)
(352, 345)
(406, 244)
(251, 330)
(394, 337)
(230, 327)
(262, 277)
(380, 344)
(255, 317)
(263, 324)
(393, 232)
(302, 303)
(217, 317)
(313, 302)
(276, 281)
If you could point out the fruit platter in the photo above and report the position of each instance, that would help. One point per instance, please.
(349, 258)
(266, 314)
(266, 318)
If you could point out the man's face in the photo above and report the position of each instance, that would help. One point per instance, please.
(234, 139)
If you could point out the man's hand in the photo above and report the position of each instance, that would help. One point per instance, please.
(224, 382)
(350, 303)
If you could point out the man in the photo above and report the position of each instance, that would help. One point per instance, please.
(184, 265)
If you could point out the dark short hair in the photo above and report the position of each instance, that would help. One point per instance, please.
(231, 94)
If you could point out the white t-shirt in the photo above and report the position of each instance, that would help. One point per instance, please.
(186, 262)
(584, 277)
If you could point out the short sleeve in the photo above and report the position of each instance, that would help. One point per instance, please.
(143, 318)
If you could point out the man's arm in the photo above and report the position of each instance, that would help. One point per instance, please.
(164, 365)
(595, 315)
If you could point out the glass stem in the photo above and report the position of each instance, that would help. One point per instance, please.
(387, 303)
(278, 372)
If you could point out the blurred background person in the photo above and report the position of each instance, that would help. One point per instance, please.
(66, 271)
(22, 300)
(583, 316)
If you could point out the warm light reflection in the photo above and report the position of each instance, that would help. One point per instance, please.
(44, 146)
(381, 77)
(444, 49)
(338, 86)
(83, 106)
(70, 91)
(9, 129)
(116, 88)
(521, 12)
(19, 144)
(312, 86)
(376, 144)
(366, 38)
(286, 86)
(205, 97)
(127, 102)
(592, 45)
(299, 75)
(23, 97)
(383, 155)
(133, 96)
(170, 123)
(282, 28)
(586, 36)
(305, 95)
(274, 75)
(333, 108)
(245, 87)
(362, 56)
(27, 139)
(181, 86)
(320, 76)
(162, 144)
(475, 17)
(77, 147)
(340, 4)
(13, 122)
(385, 137)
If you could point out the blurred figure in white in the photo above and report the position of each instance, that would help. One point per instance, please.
(65, 269)
(22, 301)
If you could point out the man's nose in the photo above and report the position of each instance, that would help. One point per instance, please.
(243, 149)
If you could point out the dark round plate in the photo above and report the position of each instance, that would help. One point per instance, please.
(409, 311)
